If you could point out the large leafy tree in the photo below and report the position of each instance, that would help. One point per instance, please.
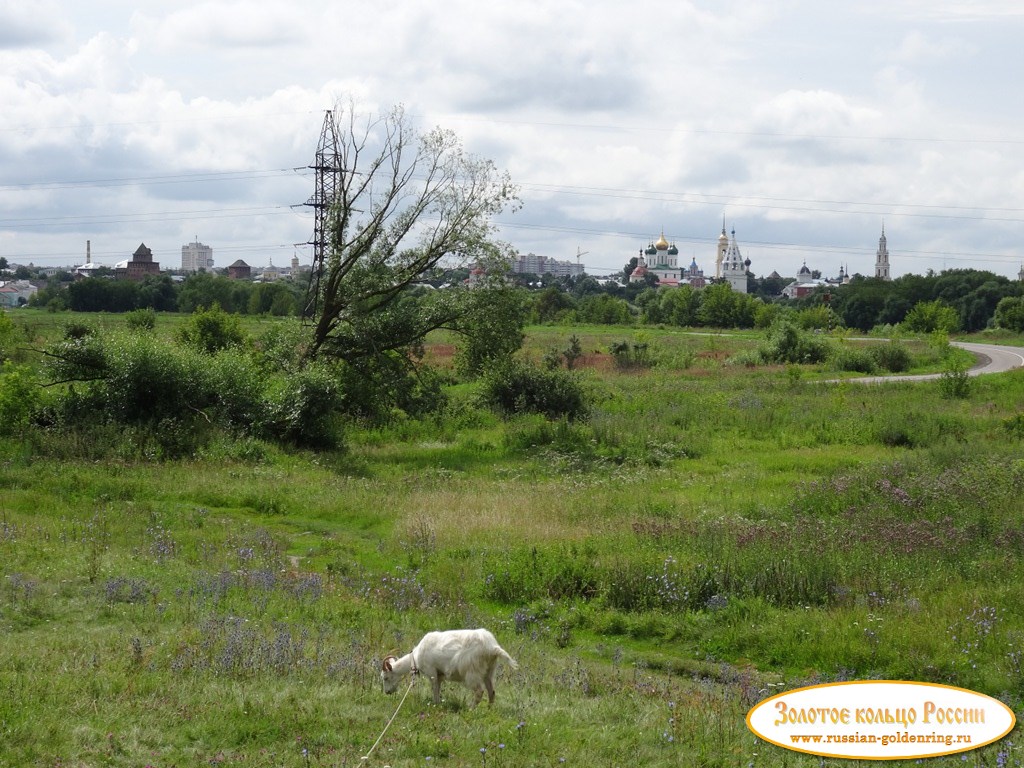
(1010, 314)
(930, 316)
(406, 201)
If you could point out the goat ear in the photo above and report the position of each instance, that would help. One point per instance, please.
(387, 664)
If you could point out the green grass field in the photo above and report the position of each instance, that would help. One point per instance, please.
(712, 535)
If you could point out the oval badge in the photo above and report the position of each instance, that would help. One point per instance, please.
(881, 720)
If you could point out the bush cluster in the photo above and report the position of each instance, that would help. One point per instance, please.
(891, 357)
(520, 387)
(179, 395)
(787, 343)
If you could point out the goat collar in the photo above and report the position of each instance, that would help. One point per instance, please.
(415, 668)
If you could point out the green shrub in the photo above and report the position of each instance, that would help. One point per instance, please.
(180, 398)
(519, 387)
(631, 356)
(820, 316)
(8, 338)
(847, 358)
(283, 346)
(20, 397)
(303, 410)
(1009, 314)
(234, 384)
(140, 319)
(892, 357)
(536, 431)
(1014, 426)
(129, 378)
(147, 380)
(955, 381)
(786, 343)
(78, 330)
(211, 330)
(748, 358)
(930, 316)
(523, 575)
(387, 385)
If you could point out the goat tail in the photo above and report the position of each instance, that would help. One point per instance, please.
(502, 653)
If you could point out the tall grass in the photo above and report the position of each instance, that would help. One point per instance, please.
(710, 536)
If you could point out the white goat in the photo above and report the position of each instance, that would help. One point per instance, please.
(467, 656)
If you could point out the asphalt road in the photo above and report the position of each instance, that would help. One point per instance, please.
(992, 358)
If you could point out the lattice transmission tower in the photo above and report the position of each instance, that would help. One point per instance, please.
(328, 180)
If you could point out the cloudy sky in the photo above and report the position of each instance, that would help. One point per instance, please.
(804, 124)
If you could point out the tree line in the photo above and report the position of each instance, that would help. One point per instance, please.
(966, 300)
(954, 300)
(161, 294)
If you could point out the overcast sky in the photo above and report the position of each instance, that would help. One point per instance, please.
(806, 125)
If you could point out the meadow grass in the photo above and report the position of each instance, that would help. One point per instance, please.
(711, 536)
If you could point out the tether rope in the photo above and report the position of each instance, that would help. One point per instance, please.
(397, 710)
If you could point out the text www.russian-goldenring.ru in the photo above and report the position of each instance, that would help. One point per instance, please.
(948, 739)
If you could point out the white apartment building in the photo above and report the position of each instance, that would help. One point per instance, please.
(196, 256)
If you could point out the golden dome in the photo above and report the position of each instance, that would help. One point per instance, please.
(662, 244)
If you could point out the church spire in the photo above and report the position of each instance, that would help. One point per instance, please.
(882, 257)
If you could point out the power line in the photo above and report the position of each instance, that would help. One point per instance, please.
(702, 242)
(804, 205)
(35, 128)
(135, 218)
(677, 129)
(187, 178)
(685, 197)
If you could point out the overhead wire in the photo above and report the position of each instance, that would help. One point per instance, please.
(802, 205)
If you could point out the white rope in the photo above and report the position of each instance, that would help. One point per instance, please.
(411, 683)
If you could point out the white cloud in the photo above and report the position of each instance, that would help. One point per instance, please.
(619, 119)
(261, 24)
(23, 25)
(918, 47)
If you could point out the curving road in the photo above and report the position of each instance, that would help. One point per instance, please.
(992, 358)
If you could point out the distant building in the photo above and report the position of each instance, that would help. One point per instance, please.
(661, 260)
(89, 268)
(138, 266)
(270, 273)
(882, 258)
(693, 275)
(804, 284)
(240, 271)
(16, 293)
(639, 273)
(532, 264)
(196, 257)
(477, 275)
(731, 264)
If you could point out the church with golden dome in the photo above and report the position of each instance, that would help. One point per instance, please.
(661, 259)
